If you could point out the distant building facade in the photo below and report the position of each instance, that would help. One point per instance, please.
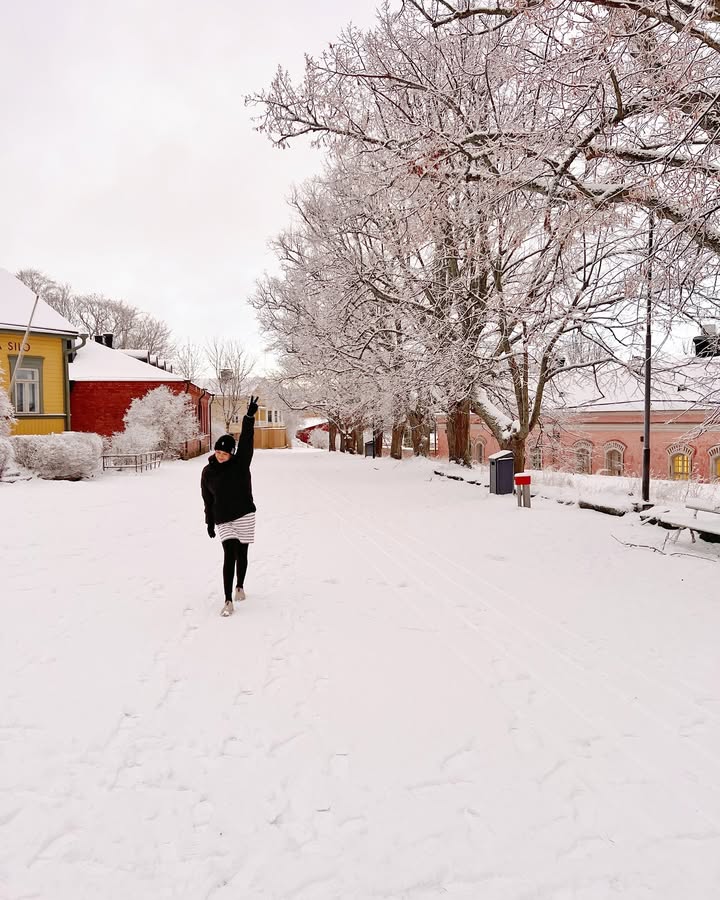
(599, 427)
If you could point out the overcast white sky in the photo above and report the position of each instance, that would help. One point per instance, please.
(128, 162)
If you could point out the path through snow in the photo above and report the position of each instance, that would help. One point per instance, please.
(429, 693)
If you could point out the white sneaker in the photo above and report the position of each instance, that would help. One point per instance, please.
(239, 594)
(228, 609)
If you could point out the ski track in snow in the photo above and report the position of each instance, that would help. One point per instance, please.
(428, 693)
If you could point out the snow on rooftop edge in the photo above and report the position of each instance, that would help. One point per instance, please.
(16, 304)
(96, 362)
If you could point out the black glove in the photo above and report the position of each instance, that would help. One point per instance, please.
(252, 406)
(211, 531)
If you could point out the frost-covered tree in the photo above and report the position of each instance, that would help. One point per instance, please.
(161, 420)
(7, 420)
(231, 369)
(492, 177)
(188, 360)
(7, 411)
(97, 314)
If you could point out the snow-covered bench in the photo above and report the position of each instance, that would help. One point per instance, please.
(681, 521)
(700, 506)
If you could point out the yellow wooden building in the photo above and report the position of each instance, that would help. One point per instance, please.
(41, 393)
(271, 432)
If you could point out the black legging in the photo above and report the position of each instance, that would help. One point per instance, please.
(236, 556)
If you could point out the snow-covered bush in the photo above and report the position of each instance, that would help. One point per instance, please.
(7, 413)
(135, 439)
(319, 439)
(70, 456)
(161, 420)
(7, 456)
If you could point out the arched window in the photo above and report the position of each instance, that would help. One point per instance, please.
(614, 458)
(536, 457)
(680, 461)
(479, 452)
(583, 457)
(714, 454)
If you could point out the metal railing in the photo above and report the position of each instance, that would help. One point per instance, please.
(196, 447)
(140, 462)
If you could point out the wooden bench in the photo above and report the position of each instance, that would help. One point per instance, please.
(679, 521)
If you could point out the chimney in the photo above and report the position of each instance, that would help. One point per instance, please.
(108, 340)
(99, 339)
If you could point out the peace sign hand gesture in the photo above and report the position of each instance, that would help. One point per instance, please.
(252, 406)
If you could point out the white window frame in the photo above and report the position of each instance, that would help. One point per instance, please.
(714, 455)
(680, 450)
(21, 386)
(583, 445)
(619, 448)
(536, 453)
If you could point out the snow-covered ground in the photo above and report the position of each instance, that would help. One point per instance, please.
(428, 693)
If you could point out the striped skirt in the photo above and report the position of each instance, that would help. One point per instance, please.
(242, 529)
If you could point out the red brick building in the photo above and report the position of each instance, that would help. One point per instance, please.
(104, 382)
(596, 426)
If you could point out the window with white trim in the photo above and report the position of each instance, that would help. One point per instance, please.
(680, 466)
(680, 458)
(714, 454)
(536, 458)
(27, 393)
(614, 458)
(583, 458)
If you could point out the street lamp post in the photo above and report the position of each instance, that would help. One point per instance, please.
(648, 367)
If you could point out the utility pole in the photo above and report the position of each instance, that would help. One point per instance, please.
(648, 364)
(19, 360)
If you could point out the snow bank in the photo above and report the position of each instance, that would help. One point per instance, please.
(599, 488)
(68, 456)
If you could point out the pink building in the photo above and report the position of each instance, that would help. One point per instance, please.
(597, 426)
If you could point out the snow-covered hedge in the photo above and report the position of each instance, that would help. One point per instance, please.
(69, 456)
(7, 412)
(161, 420)
(7, 456)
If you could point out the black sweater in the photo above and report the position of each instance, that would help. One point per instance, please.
(227, 487)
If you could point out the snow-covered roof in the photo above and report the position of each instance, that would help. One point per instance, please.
(684, 385)
(16, 304)
(96, 362)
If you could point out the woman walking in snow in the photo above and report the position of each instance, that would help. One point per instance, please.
(227, 493)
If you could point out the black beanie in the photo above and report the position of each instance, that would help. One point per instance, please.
(226, 443)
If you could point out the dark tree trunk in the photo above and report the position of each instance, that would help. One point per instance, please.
(450, 433)
(517, 445)
(343, 441)
(460, 416)
(396, 441)
(378, 438)
(332, 436)
(419, 433)
(358, 440)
